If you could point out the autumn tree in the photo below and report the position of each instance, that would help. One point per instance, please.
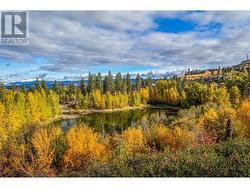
(54, 103)
(98, 100)
(236, 78)
(243, 115)
(144, 94)
(221, 95)
(235, 96)
(135, 99)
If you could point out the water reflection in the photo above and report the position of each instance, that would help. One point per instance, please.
(118, 121)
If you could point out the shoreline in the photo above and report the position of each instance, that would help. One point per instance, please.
(71, 113)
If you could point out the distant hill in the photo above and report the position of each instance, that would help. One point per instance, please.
(29, 84)
(243, 64)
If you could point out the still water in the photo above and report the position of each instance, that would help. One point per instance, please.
(112, 122)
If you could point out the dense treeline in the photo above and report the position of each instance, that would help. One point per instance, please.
(110, 92)
(106, 92)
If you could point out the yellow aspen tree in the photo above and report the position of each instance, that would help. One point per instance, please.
(144, 93)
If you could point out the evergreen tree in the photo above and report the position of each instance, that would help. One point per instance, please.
(129, 83)
(71, 91)
(38, 85)
(143, 82)
(118, 82)
(108, 83)
(124, 85)
(138, 82)
(56, 87)
(91, 83)
(98, 82)
(82, 87)
(44, 85)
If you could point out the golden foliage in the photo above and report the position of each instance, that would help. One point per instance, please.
(134, 141)
(215, 122)
(243, 116)
(84, 147)
(98, 100)
(144, 93)
(42, 142)
(172, 138)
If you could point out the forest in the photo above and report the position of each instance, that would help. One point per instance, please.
(209, 136)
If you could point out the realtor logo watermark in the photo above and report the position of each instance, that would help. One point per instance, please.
(14, 28)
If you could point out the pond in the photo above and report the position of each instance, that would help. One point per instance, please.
(118, 121)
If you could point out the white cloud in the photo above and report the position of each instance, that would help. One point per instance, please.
(75, 42)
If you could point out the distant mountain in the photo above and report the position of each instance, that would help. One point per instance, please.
(29, 84)
(155, 75)
(162, 75)
(144, 75)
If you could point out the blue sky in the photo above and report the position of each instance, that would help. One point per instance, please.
(68, 44)
(174, 25)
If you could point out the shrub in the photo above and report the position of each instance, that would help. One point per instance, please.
(84, 147)
(134, 141)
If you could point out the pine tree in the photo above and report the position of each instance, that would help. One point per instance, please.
(148, 82)
(71, 91)
(124, 85)
(44, 85)
(56, 86)
(98, 82)
(138, 82)
(129, 83)
(108, 83)
(82, 87)
(91, 83)
(118, 82)
(38, 85)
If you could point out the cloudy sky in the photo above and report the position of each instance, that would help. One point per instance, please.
(74, 43)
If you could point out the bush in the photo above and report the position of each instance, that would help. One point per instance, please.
(84, 148)
(226, 159)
